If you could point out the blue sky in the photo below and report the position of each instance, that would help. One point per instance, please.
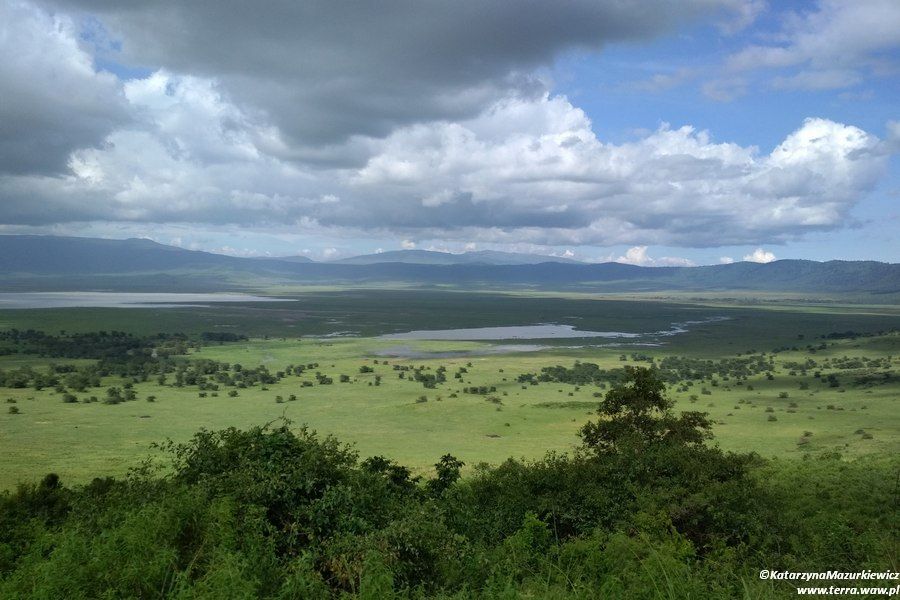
(612, 88)
(654, 133)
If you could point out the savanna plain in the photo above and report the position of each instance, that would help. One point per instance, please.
(494, 479)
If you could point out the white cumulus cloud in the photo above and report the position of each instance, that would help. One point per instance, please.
(638, 255)
(760, 256)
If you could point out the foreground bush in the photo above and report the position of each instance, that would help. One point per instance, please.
(645, 509)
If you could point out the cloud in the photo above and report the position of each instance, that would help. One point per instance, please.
(243, 252)
(725, 260)
(638, 256)
(407, 245)
(835, 45)
(760, 256)
(853, 96)
(324, 75)
(523, 171)
(826, 79)
(535, 172)
(893, 135)
(406, 123)
(746, 14)
(635, 256)
(52, 100)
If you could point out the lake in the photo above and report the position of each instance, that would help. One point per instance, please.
(543, 331)
(546, 331)
(20, 300)
(404, 351)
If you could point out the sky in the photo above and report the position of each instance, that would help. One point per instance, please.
(653, 133)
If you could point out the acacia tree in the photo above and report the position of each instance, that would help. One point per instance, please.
(636, 413)
(447, 473)
(656, 460)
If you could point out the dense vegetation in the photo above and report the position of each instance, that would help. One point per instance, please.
(115, 345)
(135, 358)
(645, 508)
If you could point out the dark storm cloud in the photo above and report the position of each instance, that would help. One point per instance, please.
(323, 71)
(51, 99)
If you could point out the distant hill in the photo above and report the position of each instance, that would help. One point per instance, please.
(44, 255)
(295, 259)
(74, 263)
(71, 263)
(430, 257)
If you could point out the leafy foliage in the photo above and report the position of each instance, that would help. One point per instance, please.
(637, 414)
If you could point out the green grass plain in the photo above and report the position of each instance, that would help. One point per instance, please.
(80, 441)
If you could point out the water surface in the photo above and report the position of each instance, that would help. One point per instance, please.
(19, 300)
(541, 331)
(404, 351)
(545, 331)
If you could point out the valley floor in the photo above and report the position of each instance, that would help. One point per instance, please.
(811, 388)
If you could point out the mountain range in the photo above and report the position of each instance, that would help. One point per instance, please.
(430, 257)
(29, 262)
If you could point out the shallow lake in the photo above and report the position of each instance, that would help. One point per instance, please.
(404, 351)
(519, 332)
(543, 331)
(21, 300)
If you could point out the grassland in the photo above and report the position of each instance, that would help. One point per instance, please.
(788, 415)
